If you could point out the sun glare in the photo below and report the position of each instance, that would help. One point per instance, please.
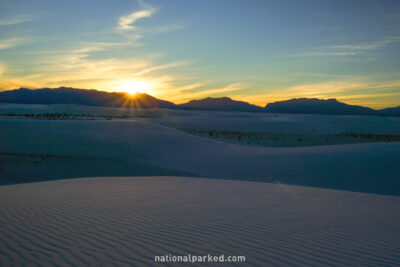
(134, 86)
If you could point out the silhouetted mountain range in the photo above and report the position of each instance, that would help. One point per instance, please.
(221, 103)
(317, 106)
(329, 106)
(66, 95)
(394, 112)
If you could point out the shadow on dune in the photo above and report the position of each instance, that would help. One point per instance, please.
(27, 168)
(44, 150)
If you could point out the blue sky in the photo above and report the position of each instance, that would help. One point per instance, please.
(257, 51)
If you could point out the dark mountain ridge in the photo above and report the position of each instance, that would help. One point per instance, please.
(221, 104)
(393, 112)
(67, 95)
(317, 106)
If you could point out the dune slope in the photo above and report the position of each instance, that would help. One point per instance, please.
(369, 168)
(127, 221)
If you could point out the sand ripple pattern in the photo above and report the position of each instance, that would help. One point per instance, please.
(127, 221)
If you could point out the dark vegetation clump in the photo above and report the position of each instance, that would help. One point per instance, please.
(281, 139)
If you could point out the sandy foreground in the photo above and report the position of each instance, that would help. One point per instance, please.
(128, 221)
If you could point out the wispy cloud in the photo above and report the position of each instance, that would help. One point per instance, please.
(324, 89)
(16, 19)
(2, 69)
(126, 22)
(87, 47)
(347, 49)
(76, 68)
(188, 87)
(212, 92)
(368, 46)
(8, 43)
(162, 67)
(323, 54)
(174, 92)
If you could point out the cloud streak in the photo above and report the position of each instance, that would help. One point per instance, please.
(75, 68)
(2, 69)
(347, 49)
(363, 47)
(323, 54)
(212, 92)
(15, 20)
(125, 23)
(9, 43)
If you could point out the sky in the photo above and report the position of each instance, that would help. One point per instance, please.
(257, 51)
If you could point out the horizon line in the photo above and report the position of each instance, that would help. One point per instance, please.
(126, 93)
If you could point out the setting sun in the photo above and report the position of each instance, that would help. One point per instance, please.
(134, 86)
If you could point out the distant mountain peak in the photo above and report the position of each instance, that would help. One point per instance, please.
(220, 103)
(308, 100)
(317, 106)
(92, 97)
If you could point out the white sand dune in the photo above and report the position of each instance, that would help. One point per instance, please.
(370, 167)
(228, 121)
(127, 221)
